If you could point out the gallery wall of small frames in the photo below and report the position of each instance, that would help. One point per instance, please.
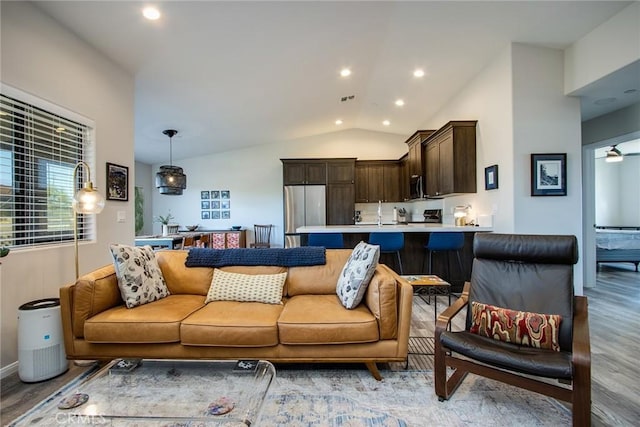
(215, 204)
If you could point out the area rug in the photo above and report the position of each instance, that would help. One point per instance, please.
(352, 397)
(320, 396)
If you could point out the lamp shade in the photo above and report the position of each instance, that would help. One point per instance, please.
(171, 180)
(87, 200)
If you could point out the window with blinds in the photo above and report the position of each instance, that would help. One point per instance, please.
(38, 153)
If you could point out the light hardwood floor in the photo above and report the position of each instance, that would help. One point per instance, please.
(614, 306)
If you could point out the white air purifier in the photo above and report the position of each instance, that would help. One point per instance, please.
(41, 352)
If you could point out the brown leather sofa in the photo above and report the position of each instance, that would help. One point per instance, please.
(310, 326)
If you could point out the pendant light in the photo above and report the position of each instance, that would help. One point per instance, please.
(170, 179)
(614, 155)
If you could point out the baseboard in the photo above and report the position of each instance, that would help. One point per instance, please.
(10, 369)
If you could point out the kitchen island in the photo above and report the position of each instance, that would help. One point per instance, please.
(413, 255)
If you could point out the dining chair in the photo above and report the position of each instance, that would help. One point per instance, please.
(262, 236)
(203, 241)
(187, 242)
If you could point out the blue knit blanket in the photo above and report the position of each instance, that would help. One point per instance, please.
(290, 257)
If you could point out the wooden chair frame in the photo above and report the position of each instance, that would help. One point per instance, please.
(579, 393)
(262, 236)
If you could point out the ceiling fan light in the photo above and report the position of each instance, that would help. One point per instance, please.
(614, 155)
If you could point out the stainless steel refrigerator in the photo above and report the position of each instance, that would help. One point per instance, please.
(304, 205)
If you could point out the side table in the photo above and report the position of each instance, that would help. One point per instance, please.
(433, 285)
(426, 285)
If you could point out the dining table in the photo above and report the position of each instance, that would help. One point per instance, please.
(170, 241)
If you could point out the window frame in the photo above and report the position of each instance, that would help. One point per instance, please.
(87, 227)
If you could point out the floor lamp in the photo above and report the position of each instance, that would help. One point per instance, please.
(87, 200)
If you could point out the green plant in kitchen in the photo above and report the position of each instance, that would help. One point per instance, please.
(165, 220)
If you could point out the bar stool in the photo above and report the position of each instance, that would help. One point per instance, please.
(328, 240)
(389, 243)
(444, 242)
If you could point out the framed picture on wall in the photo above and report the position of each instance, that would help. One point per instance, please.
(549, 174)
(491, 177)
(117, 182)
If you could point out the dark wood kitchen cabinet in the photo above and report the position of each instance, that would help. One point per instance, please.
(341, 171)
(304, 172)
(378, 180)
(405, 177)
(414, 158)
(450, 159)
(340, 204)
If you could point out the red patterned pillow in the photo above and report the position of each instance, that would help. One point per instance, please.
(516, 327)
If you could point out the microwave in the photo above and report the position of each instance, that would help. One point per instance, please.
(416, 190)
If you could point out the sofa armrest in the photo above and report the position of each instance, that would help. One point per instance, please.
(91, 294)
(390, 300)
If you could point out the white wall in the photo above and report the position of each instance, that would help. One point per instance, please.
(488, 99)
(617, 124)
(254, 177)
(617, 193)
(521, 108)
(42, 58)
(607, 196)
(612, 45)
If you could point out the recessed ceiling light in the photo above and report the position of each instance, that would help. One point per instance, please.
(338, 122)
(399, 102)
(60, 129)
(386, 122)
(151, 13)
(345, 72)
(2, 113)
(418, 73)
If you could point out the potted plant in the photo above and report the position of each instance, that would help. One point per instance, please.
(165, 221)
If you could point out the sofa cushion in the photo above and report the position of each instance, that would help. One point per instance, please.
(516, 327)
(232, 324)
(322, 319)
(264, 288)
(356, 274)
(139, 277)
(318, 279)
(156, 322)
(181, 279)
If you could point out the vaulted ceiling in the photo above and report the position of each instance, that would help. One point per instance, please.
(234, 74)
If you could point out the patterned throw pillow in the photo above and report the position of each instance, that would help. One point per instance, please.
(516, 327)
(139, 276)
(357, 273)
(265, 288)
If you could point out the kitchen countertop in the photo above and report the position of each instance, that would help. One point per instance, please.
(405, 228)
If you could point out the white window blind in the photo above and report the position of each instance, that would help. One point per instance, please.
(38, 153)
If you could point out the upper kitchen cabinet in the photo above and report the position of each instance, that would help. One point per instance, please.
(341, 171)
(405, 178)
(378, 180)
(451, 159)
(414, 158)
(304, 171)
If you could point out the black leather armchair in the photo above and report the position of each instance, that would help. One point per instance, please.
(531, 273)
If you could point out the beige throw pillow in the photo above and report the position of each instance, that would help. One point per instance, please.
(265, 288)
